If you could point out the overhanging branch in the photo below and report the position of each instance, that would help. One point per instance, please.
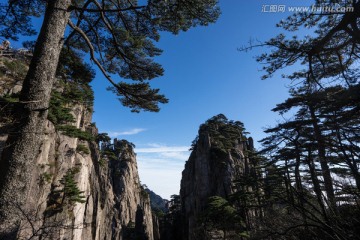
(92, 52)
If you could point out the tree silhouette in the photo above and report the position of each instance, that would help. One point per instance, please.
(313, 150)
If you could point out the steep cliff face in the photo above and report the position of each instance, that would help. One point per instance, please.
(131, 202)
(79, 193)
(218, 158)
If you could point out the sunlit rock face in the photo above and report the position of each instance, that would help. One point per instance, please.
(210, 171)
(79, 193)
(113, 197)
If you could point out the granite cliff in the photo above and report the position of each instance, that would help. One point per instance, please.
(86, 187)
(220, 156)
(78, 191)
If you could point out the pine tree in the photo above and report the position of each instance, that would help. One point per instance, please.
(119, 36)
(314, 150)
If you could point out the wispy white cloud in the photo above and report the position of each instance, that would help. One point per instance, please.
(155, 145)
(160, 167)
(176, 155)
(129, 132)
(162, 149)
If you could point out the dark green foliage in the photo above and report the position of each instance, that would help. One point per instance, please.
(15, 17)
(127, 48)
(16, 68)
(13, 98)
(67, 196)
(112, 151)
(75, 76)
(74, 83)
(120, 37)
(71, 194)
(143, 193)
(102, 162)
(312, 167)
(157, 212)
(219, 210)
(124, 144)
(194, 143)
(130, 95)
(175, 203)
(171, 222)
(79, 93)
(315, 154)
(82, 149)
(72, 131)
(72, 67)
(221, 215)
(103, 137)
(45, 178)
(274, 187)
(59, 113)
(224, 134)
(109, 154)
(108, 151)
(175, 16)
(328, 53)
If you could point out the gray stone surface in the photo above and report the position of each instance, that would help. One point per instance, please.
(205, 176)
(113, 194)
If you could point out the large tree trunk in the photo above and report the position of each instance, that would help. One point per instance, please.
(19, 157)
(328, 183)
(316, 183)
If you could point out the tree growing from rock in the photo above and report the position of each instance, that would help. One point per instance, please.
(118, 35)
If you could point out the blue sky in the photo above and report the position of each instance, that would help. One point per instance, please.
(204, 75)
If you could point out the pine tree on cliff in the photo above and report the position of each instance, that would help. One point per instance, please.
(119, 37)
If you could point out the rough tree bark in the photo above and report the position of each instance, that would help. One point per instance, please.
(18, 158)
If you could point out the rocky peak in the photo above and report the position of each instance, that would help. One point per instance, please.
(219, 157)
(131, 200)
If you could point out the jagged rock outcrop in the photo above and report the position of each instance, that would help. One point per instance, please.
(77, 192)
(218, 158)
(132, 202)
